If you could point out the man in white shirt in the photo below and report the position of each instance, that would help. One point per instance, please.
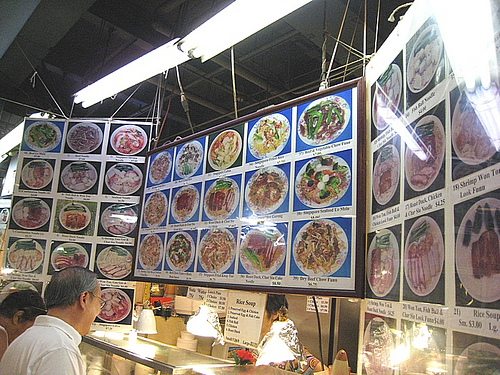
(50, 346)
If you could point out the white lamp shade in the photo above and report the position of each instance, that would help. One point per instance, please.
(146, 323)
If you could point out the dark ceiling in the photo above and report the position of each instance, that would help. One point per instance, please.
(53, 48)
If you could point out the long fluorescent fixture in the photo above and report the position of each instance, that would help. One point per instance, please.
(141, 69)
(470, 47)
(234, 23)
(11, 140)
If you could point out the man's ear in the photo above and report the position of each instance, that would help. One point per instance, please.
(83, 300)
(18, 317)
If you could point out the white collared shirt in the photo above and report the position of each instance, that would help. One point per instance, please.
(49, 347)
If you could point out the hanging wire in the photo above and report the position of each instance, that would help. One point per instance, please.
(352, 50)
(126, 100)
(376, 27)
(234, 83)
(33, 78)
(163, 122)
(184, 101)
(336, 45)
(364, 40)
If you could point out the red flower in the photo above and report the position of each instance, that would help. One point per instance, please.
(243, 357)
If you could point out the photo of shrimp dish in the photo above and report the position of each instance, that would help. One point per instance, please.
(224, 150)
(128, 140)
(269, 136)
(468, 136)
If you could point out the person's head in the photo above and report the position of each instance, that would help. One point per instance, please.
(74, 288)
(18, 311)
(276, 307)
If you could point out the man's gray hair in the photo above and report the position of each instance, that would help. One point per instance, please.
(66, 285)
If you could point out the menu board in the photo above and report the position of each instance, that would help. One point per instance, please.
(268, 201)
(433, 247)
(76, 203)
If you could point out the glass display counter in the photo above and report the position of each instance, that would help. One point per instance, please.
(112, 354)
(116, 354)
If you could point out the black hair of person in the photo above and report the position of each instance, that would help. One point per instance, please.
(28, 301)
(277, 303)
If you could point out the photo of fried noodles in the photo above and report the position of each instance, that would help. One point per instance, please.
(217, 250)
(160, 167)
(320, 248)
(266, 190)
(150, 251)
(155, 209)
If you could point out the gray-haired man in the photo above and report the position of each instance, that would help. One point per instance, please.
(50, 347)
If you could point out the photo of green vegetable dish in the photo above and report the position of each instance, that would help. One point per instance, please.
(42, 136)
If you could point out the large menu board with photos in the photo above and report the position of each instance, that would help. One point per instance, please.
(268, 201)
(76, 203)
(433, 254)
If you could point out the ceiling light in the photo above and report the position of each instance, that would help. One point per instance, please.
(12, 139)
(155, 62)
(476, 63)
(234, 23)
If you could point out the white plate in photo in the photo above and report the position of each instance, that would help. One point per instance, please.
(79, 176)
(69, 254)
(84, 137)
(42, 136)
(383, 262)
(269, 136)
(189, 159)
(31, 213)
(180, 251)
(128, 140)
(37, 174)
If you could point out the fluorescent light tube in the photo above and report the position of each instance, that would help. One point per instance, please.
(234, 23)
(141, 69)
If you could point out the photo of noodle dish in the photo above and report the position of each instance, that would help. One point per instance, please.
(25, 255)
(84, 137)
(117, 305)
(150, 251)
(224, 150)
(469, 139)
(478, 358)
(423, 256)
(74, 216)
(320, 248)
(128, 140)
(185, 203)
(266, 190)
(114, 262)
(188, 160)
(262, 250)
(378, 345)
(155, 209)
(429, 134)
(477, 250)
(323, 120)
(78, 177)
(119, 219)
(268, 136)
(222, 198)
(123, 178)
(387, 96)
(322, 181)
(424, 59)
(383, 262)
(67, 255)
(31, 213)
(160, 167)
(37, 174)
(180, 251)
(217, 250)
(386, 174)
(42, 136)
